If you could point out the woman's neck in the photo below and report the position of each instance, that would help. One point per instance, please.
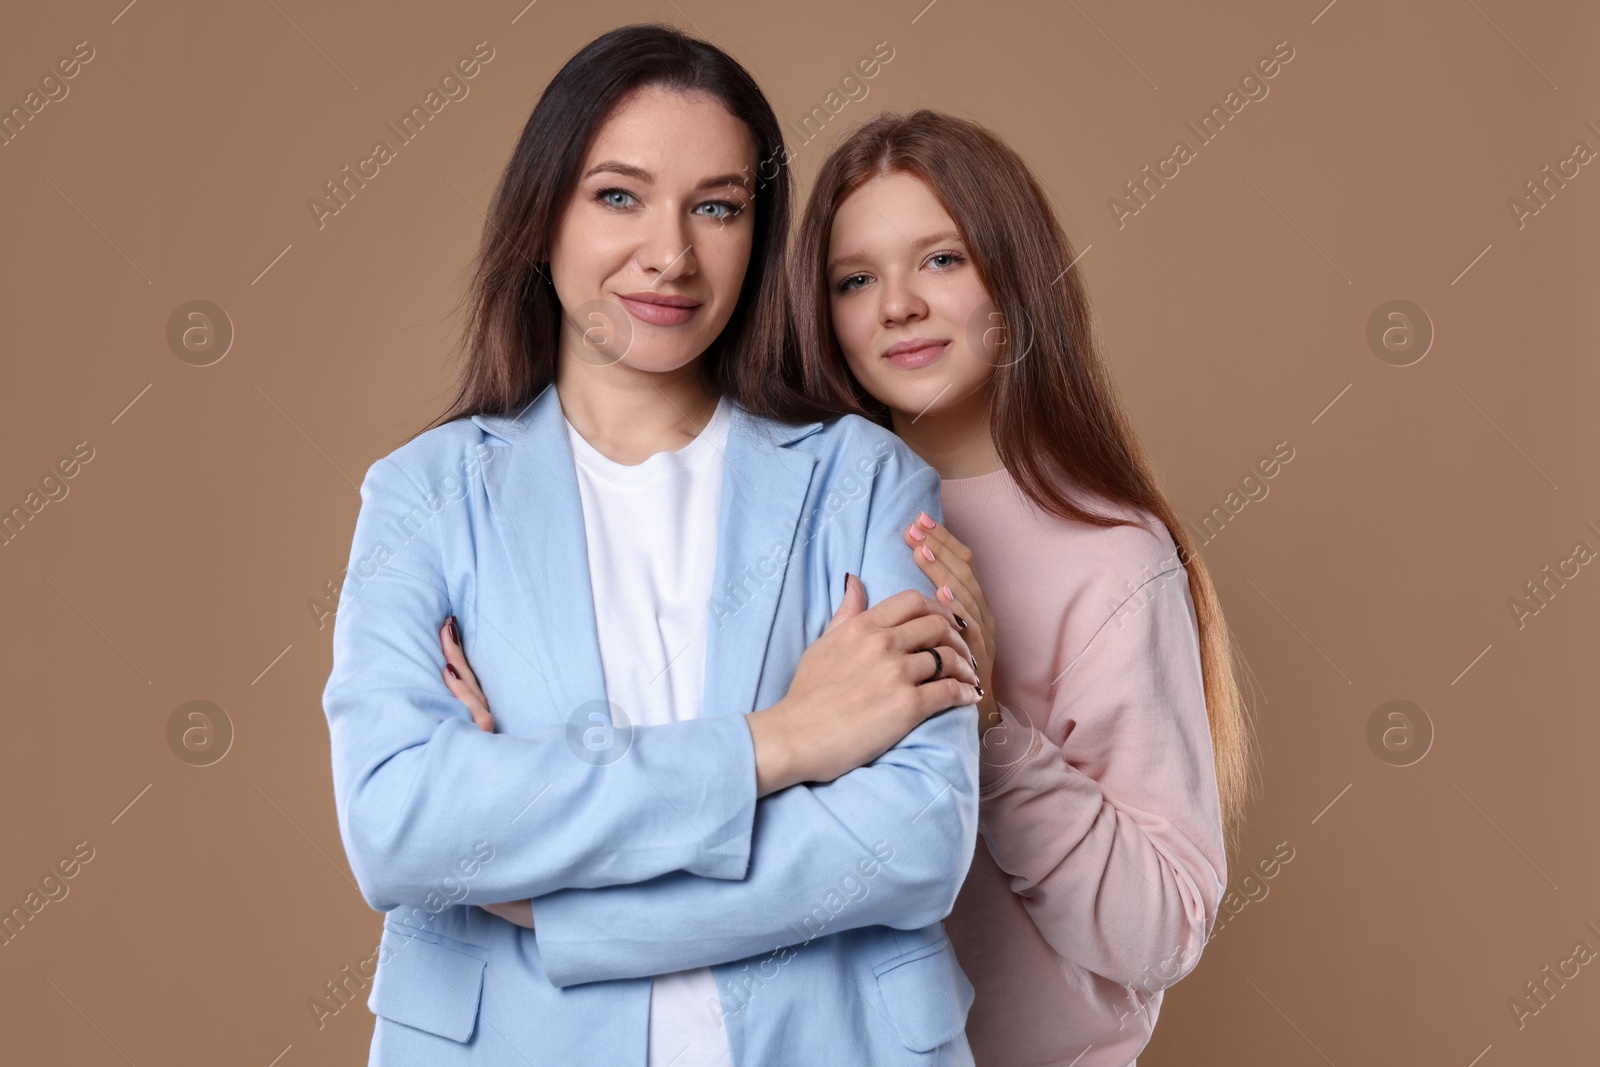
(629, 415)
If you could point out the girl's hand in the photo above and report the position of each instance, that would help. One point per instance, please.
(861, 687)
(460, 680)
(948, 564)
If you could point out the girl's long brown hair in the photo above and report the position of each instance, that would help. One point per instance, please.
(513, 330)
(1055, 414)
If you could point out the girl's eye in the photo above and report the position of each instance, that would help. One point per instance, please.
(953, 257)
(844, 285)
(603, 194)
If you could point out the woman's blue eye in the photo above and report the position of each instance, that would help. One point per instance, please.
(728, 210)
(722, 209)
(844, 285)
(954, 257)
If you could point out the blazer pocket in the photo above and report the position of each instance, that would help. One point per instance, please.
(926, 993)
(431, 982)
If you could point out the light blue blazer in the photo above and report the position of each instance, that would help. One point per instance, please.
(645, 849)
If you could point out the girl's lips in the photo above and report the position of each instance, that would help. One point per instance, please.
(920, 357)
(658, 314)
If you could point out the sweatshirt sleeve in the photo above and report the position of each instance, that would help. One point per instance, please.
(1103, 809)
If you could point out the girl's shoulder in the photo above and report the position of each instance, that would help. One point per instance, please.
(1062, 576)
(1097, 577)
(1138, 547)
(1141, 543)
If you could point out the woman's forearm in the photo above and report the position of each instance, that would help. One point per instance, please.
(775, 766)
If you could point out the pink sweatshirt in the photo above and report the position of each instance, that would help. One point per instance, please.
(1104, 862)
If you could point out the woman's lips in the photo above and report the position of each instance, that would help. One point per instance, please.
(658, 314)
(919, 357)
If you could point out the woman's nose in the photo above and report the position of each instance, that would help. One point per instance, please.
(668, 253)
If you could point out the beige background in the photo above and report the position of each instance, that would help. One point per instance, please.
(220, 499)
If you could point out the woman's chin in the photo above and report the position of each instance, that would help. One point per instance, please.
(650, 355)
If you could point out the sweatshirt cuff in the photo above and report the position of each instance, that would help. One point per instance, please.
(1003, 749)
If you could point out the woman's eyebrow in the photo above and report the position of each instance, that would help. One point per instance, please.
(639, 174)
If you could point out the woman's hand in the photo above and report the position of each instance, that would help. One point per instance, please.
(513, 911)
(861, 687)
(460, 680)
(948, 564)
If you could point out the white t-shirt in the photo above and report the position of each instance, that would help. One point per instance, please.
(651, 533)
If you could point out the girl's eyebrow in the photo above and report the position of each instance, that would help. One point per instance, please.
(639, 174)
(921, 243)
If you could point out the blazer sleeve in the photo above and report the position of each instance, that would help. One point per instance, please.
(901, 829)
(1104, 812)
(417, 784)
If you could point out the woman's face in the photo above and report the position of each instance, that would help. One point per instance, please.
(649, 255)
(910, 313)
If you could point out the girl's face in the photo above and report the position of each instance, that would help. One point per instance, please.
(650, 252)
(910, 313)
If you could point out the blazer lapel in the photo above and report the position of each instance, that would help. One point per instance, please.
(534, 501)
(764, 486)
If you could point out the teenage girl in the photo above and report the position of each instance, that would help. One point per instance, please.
(935, 293)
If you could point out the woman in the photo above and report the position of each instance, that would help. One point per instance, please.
(611, 517)
(933, 294)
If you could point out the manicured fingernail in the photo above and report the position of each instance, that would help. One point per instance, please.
(961, 622)
(455, 631)
(927, 553)
(916, 534)
(948, 595)
(451, 667)
(923, 518)
(974, 660)
(980, 690)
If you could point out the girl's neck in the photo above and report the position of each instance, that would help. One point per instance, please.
(956, 442)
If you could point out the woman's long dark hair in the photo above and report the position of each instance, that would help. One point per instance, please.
(1055, 415)
(513, 331)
